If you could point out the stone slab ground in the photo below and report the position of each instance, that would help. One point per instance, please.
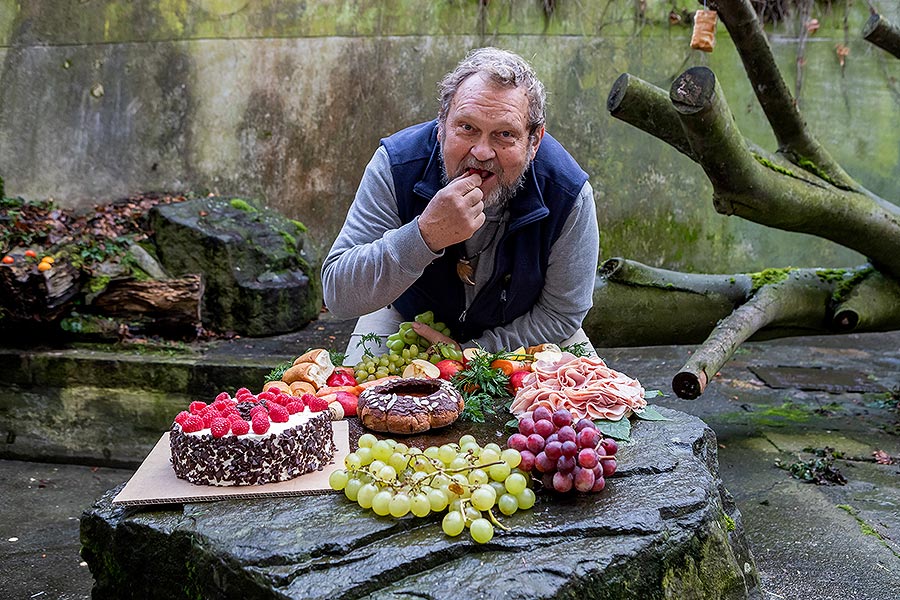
(809, 542)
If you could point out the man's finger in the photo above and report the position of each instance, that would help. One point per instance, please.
(432, 335)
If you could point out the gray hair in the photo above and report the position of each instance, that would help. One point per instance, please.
(504, 69)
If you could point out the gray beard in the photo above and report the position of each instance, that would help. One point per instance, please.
(501, 195)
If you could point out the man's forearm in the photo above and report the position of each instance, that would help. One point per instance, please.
(375, 258)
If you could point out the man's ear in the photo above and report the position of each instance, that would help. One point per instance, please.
(534, 141)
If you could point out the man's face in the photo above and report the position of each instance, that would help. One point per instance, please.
(487, 129)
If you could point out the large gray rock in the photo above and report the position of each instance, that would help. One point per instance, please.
(664, 527)
(257, 280)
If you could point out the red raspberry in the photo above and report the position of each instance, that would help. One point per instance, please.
(295, 407)
(196, 407)
(315, 403)
(240, 427)
(242, 392)
(181, 417)
(220, 427)
(277, 399)
(209, 410)
(223, 396)
(265, 396)
(234, 417)
(306, 397)
(256, 409)
(222, 405)
(260, 422)
(192, 423)
(208, 419)
(278, 413)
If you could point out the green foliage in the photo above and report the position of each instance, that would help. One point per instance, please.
(619, 430)
(369, 337)
(337, 358)
(578, 349)
(482, 386)
(300, 226)
(278, 372)
(819, 470)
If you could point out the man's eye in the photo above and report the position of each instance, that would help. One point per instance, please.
(505, 134)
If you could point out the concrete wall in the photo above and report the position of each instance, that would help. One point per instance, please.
(286, 102)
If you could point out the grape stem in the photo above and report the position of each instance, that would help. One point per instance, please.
(495, 521)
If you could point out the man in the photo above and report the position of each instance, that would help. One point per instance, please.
(478, 216)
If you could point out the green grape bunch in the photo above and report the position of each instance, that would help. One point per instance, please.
(404, 346)
(464, 479)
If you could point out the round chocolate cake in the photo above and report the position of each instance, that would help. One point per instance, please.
(409, 405)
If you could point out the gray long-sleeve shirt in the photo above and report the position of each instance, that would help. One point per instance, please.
(375, 258)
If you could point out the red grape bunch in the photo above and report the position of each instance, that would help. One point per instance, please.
(567, 455)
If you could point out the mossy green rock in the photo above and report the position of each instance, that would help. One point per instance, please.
(257, 280)
(664, 527)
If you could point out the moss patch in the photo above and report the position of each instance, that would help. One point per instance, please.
(847, 285)
(771, 165)
(768, 277)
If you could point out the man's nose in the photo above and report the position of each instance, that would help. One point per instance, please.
(482, 150)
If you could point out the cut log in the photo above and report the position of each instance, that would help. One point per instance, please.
(880, 32)
(30, 295)
(165, 306)
(805, 302)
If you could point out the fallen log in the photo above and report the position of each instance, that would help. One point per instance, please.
(30, 295)
(168, 307)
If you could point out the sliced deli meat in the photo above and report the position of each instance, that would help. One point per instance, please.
(583, 385)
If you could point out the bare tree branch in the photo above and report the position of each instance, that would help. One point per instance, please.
(794, 138)
(744, 187)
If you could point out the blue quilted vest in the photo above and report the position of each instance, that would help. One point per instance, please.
(537, 214)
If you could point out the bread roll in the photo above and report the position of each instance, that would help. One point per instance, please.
(309, 372)
(318, 356)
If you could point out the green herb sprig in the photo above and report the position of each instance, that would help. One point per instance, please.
(369, 337)
(482, 386)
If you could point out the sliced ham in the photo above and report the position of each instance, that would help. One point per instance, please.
(583, 385)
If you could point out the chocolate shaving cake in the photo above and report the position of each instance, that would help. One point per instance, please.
(409, 405)
(302, 444)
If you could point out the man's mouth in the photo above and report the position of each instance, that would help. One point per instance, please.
(483, 173)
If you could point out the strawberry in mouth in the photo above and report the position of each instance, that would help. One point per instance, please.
(483, 173)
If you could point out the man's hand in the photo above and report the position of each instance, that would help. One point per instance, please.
(434, 336)
(454, 214)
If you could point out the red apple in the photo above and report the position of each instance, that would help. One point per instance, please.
(341, 376)
(348, 402)
(449, 367)
(516, 381)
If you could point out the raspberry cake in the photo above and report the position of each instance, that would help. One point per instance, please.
(251, 440)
